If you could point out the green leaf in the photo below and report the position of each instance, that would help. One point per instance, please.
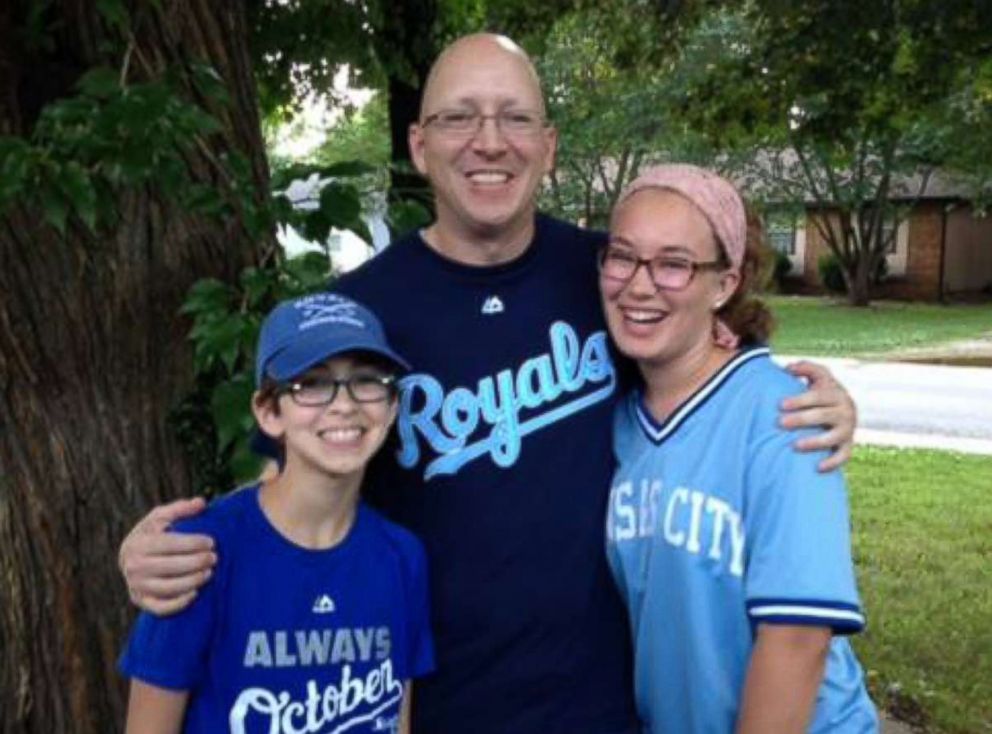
(408, 215)
(223, 339)
(347, 168)
(212, 84)
(114, 12)
(257, 285)
(245, 464)
(76, 185)
(207, 295)
(341, 204)
(361, 229)
(203, 199)
(15, 163)
(230, 406)
(315, 226)
(55, 208)
(100, 82)
(308, 273)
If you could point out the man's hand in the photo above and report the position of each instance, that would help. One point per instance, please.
(826, 403)
(163, 570)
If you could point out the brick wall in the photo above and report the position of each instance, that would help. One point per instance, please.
(922, 279)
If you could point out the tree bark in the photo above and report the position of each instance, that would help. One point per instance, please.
(92, 357)
(859, 281)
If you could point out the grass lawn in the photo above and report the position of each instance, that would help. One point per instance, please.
(822, 326)
(923, 548)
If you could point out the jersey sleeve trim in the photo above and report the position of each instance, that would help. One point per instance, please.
(841, 617)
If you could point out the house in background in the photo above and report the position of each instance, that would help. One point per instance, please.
(940, 250)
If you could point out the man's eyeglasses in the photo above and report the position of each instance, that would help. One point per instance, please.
(321, 390)
(467, 123)
(666, 272)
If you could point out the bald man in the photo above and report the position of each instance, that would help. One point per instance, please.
(502, 459)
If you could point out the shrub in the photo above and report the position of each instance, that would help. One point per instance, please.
(831, 274)
(781, 269)
(881, 271)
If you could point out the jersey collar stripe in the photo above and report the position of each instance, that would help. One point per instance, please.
(659, 432)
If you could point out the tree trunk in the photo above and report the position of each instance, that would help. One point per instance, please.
(404, 108)
(92, 356)
(859, 281)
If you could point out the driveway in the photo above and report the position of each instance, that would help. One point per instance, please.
(918, 405)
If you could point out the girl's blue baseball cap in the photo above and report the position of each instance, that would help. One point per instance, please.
(303, 332)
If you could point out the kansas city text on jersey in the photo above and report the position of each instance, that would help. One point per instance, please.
(694, 521)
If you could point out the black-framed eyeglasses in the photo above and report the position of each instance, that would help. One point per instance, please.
(312, 392)
(468, 123)
(666, 272)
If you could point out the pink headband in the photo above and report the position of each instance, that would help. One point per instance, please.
(713, 195)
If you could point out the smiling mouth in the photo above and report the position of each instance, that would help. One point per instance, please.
(341, 435)
(642, 316)
(489, 178)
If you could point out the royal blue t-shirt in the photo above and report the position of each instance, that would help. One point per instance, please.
(286, 639)
(502, 468)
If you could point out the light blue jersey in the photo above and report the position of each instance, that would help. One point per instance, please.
(717, 524)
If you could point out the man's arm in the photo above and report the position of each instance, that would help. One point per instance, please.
(783, 677)
(164, 570)
(154, 710)
(825, 403)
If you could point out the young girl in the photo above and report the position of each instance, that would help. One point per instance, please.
(316, 617)
(731, 551)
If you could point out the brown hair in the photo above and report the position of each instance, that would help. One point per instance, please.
(268, 392)
(747, 316)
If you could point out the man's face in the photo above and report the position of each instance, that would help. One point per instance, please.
(485, 181)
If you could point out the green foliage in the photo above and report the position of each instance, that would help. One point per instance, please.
(226, 322)
(227, 318)
(780, 269)
(831, 273)
(841, 103)
(407, 215)
(608, 117)
(86, 149)
(966, 138)
(300, 46)
(360, 135)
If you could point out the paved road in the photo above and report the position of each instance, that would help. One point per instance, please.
(891, 726)
(918, 405)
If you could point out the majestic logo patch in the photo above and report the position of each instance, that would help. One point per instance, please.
(323, 605)
(449, 423)
(492, 305)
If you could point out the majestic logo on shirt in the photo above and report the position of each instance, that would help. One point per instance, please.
(323, 605)
(449, 423)
(493, 304)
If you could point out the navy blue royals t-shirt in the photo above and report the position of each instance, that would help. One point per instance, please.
(501, 465)
(284, 639)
